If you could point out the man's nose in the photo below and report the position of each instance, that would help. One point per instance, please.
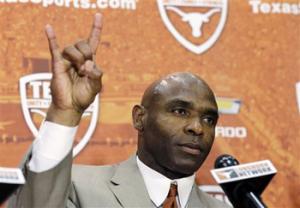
(194, 128)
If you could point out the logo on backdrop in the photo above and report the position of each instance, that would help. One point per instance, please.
(36, 98)
(203, 19)
(230, 106)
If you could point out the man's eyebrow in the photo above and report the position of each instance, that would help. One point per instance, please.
(188, 104)
(211, 111)
(179, 102)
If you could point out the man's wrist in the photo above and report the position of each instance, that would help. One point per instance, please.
(66, 117)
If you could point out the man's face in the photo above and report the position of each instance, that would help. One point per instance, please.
(179, 127)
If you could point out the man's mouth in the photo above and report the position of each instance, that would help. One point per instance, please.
(191, 148)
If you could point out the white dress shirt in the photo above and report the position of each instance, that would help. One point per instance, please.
(51, 146)
(158, 185)
(55, 141)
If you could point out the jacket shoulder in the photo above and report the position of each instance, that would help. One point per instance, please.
(211, 201)
(90, 172)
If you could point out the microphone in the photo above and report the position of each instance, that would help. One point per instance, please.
(243, 184)
(10, 180)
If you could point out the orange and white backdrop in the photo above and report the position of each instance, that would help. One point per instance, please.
(247, 50)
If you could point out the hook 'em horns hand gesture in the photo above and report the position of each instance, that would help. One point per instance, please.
(76, 78)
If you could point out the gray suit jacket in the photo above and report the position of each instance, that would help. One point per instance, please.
(119, 185)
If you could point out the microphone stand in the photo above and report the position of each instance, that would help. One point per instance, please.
(253, 201)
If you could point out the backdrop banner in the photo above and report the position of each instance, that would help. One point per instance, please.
(248, 51)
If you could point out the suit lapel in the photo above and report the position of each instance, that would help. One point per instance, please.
(128, 186)
(196, 199)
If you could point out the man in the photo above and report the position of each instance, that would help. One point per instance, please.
(175, 122)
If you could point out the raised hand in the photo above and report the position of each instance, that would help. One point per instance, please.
(76, 78)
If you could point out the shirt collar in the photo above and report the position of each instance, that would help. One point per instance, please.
(158, 185)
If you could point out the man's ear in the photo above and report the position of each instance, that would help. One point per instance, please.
(138, 115)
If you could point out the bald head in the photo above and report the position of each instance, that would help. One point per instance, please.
(176, 124)
(175, 83)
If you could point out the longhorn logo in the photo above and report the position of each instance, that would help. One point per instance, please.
(195, 19)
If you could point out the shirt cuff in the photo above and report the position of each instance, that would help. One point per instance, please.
(53, 143)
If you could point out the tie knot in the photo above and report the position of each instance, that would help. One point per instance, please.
(173, 190)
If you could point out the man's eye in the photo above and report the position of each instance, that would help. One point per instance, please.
(209, 120)
(180, 111)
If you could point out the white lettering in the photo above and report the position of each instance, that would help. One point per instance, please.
(36, 1)
(46, 90)
(76, 3)
(67, 3)
(35, 89)
(128, 4)
(274, 7)
(295, 9)
(114, 4)
(241, 132)
(85, 4)
(265, 8)
(286, 8)
(255, 4)
(46, 3)
(59, 3)
(231, 132)
(117, 4)
(82, 4)
(102, 4)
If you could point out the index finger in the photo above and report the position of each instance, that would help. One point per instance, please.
(94, 38)
(53, 46)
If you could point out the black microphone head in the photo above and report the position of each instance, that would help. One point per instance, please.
(225, 161)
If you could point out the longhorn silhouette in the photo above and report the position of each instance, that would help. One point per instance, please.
(195, 19)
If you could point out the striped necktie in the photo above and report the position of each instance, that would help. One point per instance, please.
(170, 201)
